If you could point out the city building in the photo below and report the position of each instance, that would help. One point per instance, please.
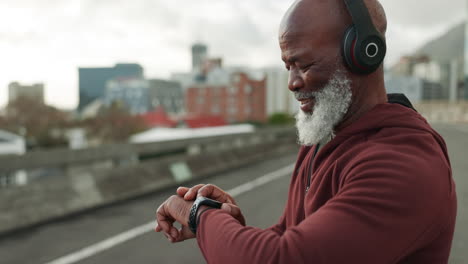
(92, 109)
(204, 69)
(185, 79)
(240, 101)
(92, 81)
(279, 98)
(466, 60)
(199, 55)
(158, 118)
(441, 62)
(416, 89)
(166, 94)
(131, 92)
(16, 90)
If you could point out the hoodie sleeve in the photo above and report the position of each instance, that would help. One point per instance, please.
(280, 227)
(388, 205)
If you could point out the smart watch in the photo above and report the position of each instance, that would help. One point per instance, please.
(192, 222)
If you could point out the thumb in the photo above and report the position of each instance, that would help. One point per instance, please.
(226, 207)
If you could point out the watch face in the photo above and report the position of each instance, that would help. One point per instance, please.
(192, 222)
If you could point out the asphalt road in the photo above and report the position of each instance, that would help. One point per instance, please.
(261, 207)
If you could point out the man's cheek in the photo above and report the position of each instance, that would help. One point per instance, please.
(316, 82)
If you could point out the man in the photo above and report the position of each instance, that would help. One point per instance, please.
(372, 182)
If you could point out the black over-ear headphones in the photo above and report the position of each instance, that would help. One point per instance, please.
(364, 47)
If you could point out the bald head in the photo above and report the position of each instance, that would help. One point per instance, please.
(304, 16)
(311, 41)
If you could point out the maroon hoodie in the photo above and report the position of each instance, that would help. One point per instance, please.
(380, 192)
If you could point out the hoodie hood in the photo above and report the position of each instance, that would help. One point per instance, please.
(388, 115)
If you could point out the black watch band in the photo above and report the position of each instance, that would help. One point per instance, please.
(192, 222)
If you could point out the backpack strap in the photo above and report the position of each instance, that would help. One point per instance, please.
(400, 99)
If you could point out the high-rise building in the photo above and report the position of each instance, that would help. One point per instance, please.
(92, 81)
(199, 55)
(35, 91)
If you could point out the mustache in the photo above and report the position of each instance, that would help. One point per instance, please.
(304, 95)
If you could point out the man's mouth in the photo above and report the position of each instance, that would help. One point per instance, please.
(305, 101)
(307, 104)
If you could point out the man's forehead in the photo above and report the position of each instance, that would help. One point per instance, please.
(313, 17)
(295, 52)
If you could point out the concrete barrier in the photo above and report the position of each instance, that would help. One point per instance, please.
(84, 188)
(444, 112)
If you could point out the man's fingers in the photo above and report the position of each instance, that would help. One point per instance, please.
(164, 220)
(192, 192)
(181, 191)
(184, 234)
(215, 193)
(158, 228)
(174, 234)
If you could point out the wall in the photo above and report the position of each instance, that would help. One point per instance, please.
(88, 185)
(444, 112)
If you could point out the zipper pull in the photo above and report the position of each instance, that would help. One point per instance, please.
(307, 189)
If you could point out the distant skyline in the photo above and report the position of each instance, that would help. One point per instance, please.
(47, 40)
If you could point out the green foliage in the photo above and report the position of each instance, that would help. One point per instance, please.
(280, 119)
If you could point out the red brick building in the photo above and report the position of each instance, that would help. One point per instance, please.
(243, 100)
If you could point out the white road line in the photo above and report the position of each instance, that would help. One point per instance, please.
(146, 228)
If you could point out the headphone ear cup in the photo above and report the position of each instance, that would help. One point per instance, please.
(347, 50)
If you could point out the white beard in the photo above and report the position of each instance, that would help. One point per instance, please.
(331, 104)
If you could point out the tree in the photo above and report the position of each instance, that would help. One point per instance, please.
(114, 124)
(42, 126)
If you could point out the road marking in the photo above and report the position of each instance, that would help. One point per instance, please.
(146, 228)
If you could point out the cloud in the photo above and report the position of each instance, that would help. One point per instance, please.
(424, 14)
(47, 40)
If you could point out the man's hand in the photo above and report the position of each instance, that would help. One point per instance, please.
(213, 192)
(206, 190)
(177, 209)
(174, 209)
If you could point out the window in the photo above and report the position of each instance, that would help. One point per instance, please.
(155, 102)
(248, 89)
(233, 89)
(215, 109)
(200, 100)
(232, 110)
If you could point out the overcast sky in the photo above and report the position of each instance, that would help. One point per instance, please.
(47, 40)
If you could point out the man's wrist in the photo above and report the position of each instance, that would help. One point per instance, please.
(202, 209)
(200, 205)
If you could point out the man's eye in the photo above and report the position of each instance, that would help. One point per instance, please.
(305, 68)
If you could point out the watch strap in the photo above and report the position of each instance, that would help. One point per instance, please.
(193, 220)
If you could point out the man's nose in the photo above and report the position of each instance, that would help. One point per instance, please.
(295, 81)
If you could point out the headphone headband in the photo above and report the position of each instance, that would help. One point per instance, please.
(364, 48)
(360, 17)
